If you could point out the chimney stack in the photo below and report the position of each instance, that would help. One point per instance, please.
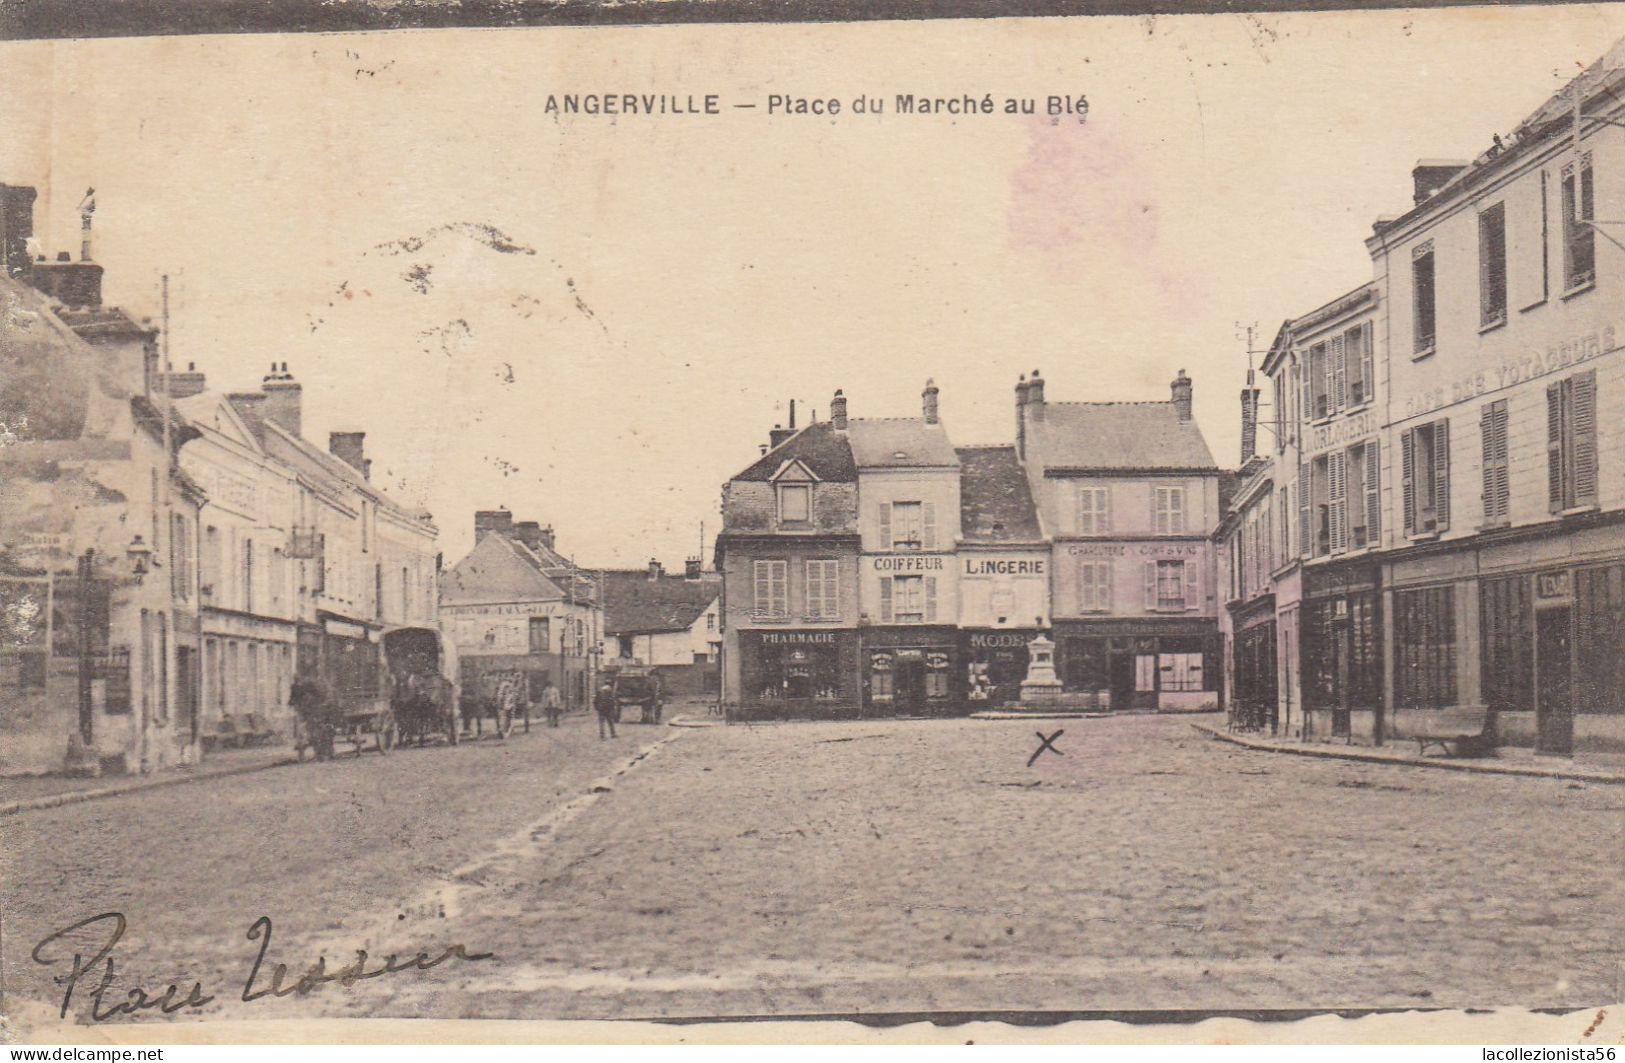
(350, 448)
(691, 568)
(528, 532)
(1180, 395)
(837, 411)
(778, 436)
(1430, 175)
(1249, 420)
(928, 401)
(1021, 417)
(547, 537)
(185, 385)
(1035, 395)
(16, 231)
(283, 399)
(656, 569)
(492, 520)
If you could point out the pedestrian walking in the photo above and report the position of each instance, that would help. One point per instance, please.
(604, 703)
(552, 707)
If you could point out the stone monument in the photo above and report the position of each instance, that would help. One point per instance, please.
(1042, 684)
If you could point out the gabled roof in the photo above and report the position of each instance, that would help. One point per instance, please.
(634, 604)
(1117, 435)
(306, 456)
(213, 411)
(496, 570)
(995, 502)
(899, 442)
(580, 584)
(825, 451)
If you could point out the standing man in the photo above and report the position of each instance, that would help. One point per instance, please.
(604, 703)
(551, 706)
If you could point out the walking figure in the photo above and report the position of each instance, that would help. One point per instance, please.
(604, 703)
(551, 706)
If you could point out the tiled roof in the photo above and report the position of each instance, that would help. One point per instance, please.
(300, 451)
(899, 442)
(995, 502)
(496, 570)
(818, 446)
(636, 604)
(1117, 435)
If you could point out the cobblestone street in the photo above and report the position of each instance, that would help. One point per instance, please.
(862, 866)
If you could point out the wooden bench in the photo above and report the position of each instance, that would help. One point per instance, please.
(1459, 731)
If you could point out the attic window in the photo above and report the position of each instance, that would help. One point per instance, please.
(795, 503)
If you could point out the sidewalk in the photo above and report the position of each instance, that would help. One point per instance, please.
(1585, 767)
(29, 792)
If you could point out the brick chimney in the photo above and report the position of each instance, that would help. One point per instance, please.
(76, 285)
(837, 411)
(691, 568)
(547, 537)
(1035, 396)
(1180, 395)
(284, 399)
(350, 448)
(1249, 420)
(928, 402)
(1430, 175)
(1021, 417)
(778, 436)
(528, 532)
(16, 230)
(656, 569)
(492, 520)
(185, 385)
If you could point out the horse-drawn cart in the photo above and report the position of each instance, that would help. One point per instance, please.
(321, 737)
(423, 700)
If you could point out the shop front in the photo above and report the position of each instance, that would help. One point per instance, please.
(809, 673)
(1340, 641)
(1551, 651)
(995, 665)
(1253, 691)
(1142, 664)
(912, 671)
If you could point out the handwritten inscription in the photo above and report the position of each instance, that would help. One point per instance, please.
(99, 971)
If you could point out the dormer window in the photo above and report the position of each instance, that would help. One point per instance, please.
(795, 503)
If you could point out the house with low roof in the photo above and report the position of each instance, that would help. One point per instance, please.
(670, 623)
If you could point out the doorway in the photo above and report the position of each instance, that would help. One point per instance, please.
(910, 685)
(1554, 682)
(1122, 681)
(186, 692)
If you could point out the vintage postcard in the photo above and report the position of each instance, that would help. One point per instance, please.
(1103, 528)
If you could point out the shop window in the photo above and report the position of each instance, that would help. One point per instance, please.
(1492, 431)
(1506, 644)
(1094, 510)
(1425, 648)
(1492, 266)
(1168, 510)
(1423, 306)
(1599, 645)
(772, 590)
(795, 503)
(1571, 442)
(1425, 470)
(1145, 673)
(1579, 238)
(1180, 671)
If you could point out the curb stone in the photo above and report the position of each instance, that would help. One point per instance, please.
(1481, 767)
(74, 797)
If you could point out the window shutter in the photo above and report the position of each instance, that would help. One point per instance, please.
(1373, 497)
(885, 600)
(1176, 510)
(930, 598)
(1554, 447)
(1103, 515)
(1407, 461)
(1150, 584)
(928, 536)
(1307, 368)
(1339, 363)
(1368, 367)
(1103, 578)
(1157, 523)
(1337, 499)
(1304, 494)
(885, 526)
(1441, 472)
(761, 586)
(1081, 508)
(1192, 587)
(1583, 430)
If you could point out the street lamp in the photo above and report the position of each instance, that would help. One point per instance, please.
(140, 555)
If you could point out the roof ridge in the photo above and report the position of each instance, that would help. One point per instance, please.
(922, 420)
(1113, 402)
(986, 446)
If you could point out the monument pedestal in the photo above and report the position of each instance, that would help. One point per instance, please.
(1042, 685)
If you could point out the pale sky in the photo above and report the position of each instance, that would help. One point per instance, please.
(692, 274)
